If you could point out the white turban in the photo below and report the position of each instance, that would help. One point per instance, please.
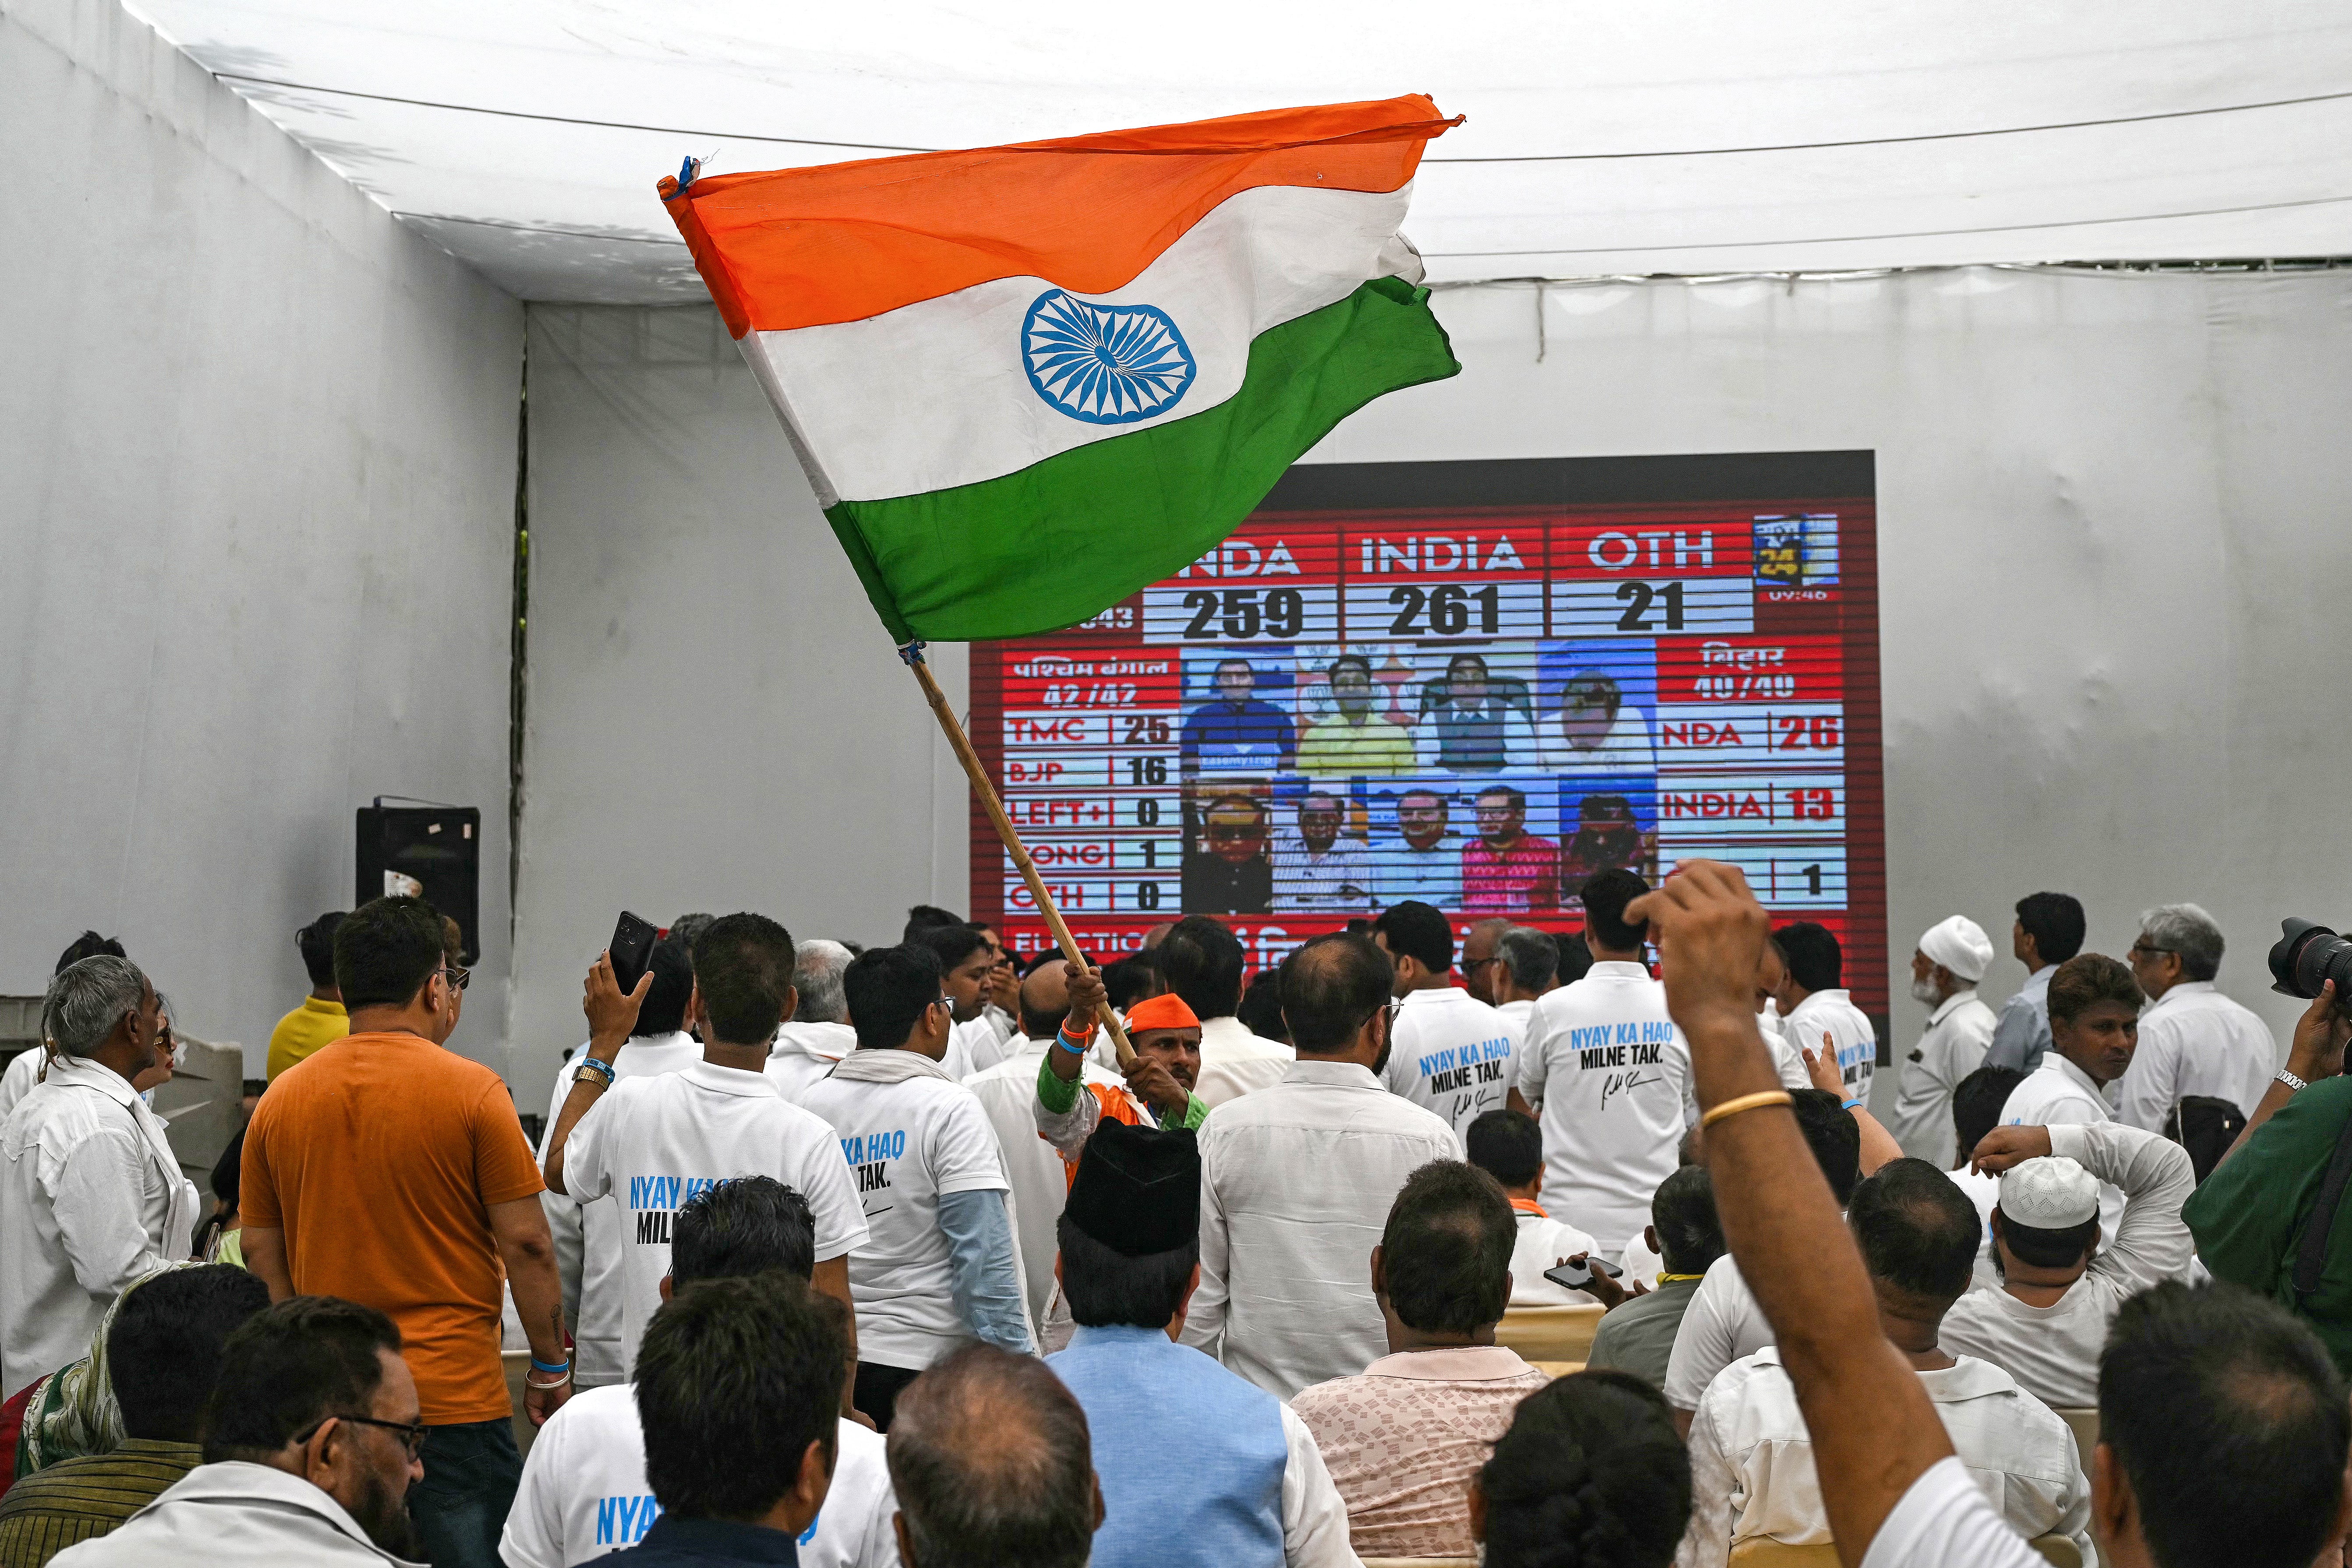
(1960, 946)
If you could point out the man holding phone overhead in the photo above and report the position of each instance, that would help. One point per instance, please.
(654, 1142)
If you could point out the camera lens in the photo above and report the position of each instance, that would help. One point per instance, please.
(2306, 956)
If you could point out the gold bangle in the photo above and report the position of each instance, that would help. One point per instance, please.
(1745, 1103)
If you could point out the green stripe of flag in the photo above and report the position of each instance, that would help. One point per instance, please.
(1065, 538)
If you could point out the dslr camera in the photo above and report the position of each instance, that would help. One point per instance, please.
(2309, 955)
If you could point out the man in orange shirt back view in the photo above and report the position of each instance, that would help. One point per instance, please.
(390, 1171)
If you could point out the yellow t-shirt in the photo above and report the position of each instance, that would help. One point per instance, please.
(314, 1024)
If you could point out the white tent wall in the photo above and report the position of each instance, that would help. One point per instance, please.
(2112, 555)
(256, 496)
(715, 717)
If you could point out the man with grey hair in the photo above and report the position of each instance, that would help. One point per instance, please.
(91, 1198)
(990, 1460)
(1529, 970)
(811, 1042)
(2192, 1040)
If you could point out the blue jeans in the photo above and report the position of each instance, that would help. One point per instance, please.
(471, 1471)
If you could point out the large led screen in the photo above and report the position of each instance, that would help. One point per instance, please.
(1474, 684)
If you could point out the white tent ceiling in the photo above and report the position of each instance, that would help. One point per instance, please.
(1702, 137)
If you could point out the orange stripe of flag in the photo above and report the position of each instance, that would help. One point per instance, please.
(840, 242)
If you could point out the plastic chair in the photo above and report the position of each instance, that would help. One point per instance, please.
(2086, 1423)
(1550, 1333)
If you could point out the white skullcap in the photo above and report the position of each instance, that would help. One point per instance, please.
(1960, 946)
(2051, 1193)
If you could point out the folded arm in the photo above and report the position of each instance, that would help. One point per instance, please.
(2152, 1242)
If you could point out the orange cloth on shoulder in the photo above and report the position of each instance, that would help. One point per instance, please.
(1166, 1012)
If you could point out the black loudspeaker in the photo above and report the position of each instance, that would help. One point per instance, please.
(432, 852)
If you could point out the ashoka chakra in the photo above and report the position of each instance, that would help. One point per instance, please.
(1107, 364)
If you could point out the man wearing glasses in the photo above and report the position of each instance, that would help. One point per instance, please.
(2193, 1040)
(387, 1170)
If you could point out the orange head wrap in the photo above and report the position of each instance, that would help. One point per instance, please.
(1166, 1012)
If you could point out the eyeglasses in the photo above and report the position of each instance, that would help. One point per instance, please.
(460, 978)
(411, 1432)
(1389, 1008)
(2141, 948)
(1471, 966)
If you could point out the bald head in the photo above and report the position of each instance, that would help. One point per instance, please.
(991, 1463)
(1330, 989)
(1479, 956)
(1045, 999)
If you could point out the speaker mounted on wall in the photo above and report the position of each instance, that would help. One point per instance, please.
(427, 851)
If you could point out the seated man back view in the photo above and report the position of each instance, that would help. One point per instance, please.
(1751, 1457)
(1251, 1488)
(1508, 1146)
(1405, 1437)
(2060, 1286)
(991, 1462)
(585, 1491)
(1638, 1337)
(311, 1437)
(162, 1354)
(1296, 1182)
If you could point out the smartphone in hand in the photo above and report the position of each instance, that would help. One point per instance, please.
(1579, 1277)
(632, 949)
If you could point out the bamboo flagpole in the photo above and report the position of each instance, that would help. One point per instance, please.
(962, 745)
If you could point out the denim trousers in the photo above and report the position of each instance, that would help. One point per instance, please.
(471, 1471)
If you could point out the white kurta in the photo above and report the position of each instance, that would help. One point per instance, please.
(1752, 1475)
(1544, 1243)
(1295, 1185)
(1609, 1073)
(91, 1198)
(1958, 1031)
(2195, 1041)
(2058, 1094)
(1236, 1062)
(590, 1237)
(1944, 1521)
(2053, 1351)
(253, 1516)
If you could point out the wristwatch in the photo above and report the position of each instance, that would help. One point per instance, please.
(591, 1068)
(2291, 1081)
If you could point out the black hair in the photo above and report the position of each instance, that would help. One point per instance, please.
(88, 944)
(290, 1366)
(385, 950)
(950, 944)
(1575, 957)
(689, 929)
(1976, 1102)
(1202, 962)
(1132, 979)
(991, 1463)
(1261, 1009)
(1690, 1234)
(735, 1379)
(1330, 987)
(1416, 929)
(1359, 661)
(164, 1348)
(1447, 1249)
(663, 1011)
(1041, 1023)
(738, 1227)
(888, 989)
(1518, 797)
(1814, 958)
(1605, 896)
(2046, 1248)
(1591, 1474)
(1835, 1137)
(921, 917)
(2088, 979)
(316, 942)
(228, 1180)
(743, 966)
(2055, 923)
(1104, 1286)
(1916, 1229)
(1507, 1144)
(2229, 1422)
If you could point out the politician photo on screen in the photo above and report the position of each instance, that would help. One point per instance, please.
(1474, 719)
(1345, 732)
(1506, 870)
(1236, 732)
(1230, 872)
(1317, 867)
(1605, 824)
(1419, 856)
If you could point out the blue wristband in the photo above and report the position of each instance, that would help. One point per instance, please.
(1849, 1105)
(538, 1365)
(1063, 1037)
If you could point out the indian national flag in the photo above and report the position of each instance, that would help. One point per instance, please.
(1026, 381)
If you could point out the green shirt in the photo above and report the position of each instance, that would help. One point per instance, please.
(2248, 1217)
(80, 1499)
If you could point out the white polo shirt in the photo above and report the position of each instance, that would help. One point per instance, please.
(1611, 1073)
(1515, 1023)
(804, 1053)
(1451, 1054)
(1850, 1031)
(2195, 1041)
(654, 1142)
(596, 1228)
(585, 1493)
(906, 1143)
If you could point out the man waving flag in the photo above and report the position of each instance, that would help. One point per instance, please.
(1026, 381)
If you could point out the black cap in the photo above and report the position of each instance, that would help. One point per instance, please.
(1138, 1190)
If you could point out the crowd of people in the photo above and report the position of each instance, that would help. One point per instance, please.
(929, 1253)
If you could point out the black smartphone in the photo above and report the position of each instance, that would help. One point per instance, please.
(632, 949)
(1576, 1277)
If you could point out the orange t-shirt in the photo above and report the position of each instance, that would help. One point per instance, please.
(378, 1156)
